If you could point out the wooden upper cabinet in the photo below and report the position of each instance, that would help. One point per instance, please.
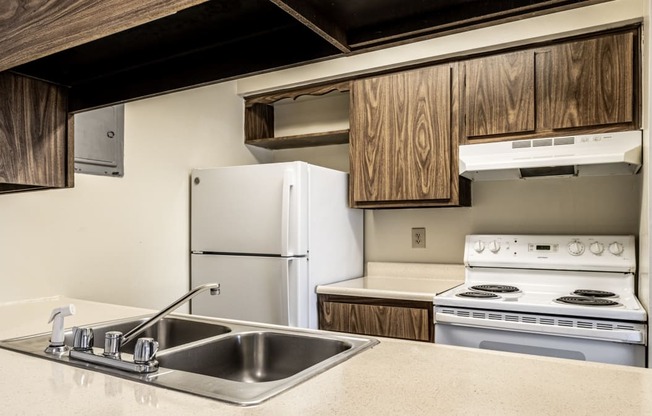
(574, 87)
(499, 95)
(402, 151)
(593, 82)
(35, 150)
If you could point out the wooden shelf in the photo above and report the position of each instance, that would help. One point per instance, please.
(317, 90)
(259, 123)
(303, 140)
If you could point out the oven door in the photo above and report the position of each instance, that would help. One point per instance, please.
(524, 340)
(537, 344)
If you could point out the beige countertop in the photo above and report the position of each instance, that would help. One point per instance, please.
(404, 281)
(394, 378)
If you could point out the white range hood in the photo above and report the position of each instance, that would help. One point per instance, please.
(585, 155)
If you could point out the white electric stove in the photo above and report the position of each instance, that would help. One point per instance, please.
(562, 296)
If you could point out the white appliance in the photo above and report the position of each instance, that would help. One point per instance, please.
(585, 155)
(269, 234)
(560, 296)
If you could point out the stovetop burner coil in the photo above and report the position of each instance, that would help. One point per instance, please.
(586, 301)
(594, 293)
(477, 295)
(496, 288)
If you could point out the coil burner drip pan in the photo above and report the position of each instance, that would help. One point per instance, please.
(586, 301)
(477, 295)
(593, 293)
(496, 288)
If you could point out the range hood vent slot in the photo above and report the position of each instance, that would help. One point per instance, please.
(547, 171)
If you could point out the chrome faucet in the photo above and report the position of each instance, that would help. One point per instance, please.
(146, 348)
(129, 336)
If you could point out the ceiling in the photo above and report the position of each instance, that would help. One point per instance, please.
(223, 39)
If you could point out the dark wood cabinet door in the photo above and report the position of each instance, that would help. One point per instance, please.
(593, 81)
(34, 148)
(400, 140)
(377, 318)
(499, 95)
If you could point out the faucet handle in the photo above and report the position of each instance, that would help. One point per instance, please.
(83, 339)
(145, 351)
(112, 344)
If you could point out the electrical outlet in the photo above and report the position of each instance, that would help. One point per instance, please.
(418, 238)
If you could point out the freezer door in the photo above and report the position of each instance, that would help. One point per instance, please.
(260, 289)
(253, 209)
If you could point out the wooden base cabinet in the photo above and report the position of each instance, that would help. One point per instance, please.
(36, 149)
(391, 318)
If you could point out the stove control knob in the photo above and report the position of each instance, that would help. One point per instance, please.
(596, 248)
(494, 246)
(478, 246)
(616, 248)
(576, 248)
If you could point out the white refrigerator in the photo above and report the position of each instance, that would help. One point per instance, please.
(269, 234)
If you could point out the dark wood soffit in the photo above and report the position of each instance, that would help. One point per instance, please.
(32, 30)
(223, 62)
(126, 69)
(315, 21)
(454, 20)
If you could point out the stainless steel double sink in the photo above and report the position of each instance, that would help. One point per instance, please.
(238, 363)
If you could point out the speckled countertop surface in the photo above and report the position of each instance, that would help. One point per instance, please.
(394, 378)
(405, 281)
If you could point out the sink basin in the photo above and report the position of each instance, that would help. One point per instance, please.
(169, 332)
(240, 363)
(255, 357)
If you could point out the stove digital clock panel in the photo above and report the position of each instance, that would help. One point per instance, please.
(587, 252)
(543, 248)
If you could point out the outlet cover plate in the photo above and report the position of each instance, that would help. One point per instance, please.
(419, 238)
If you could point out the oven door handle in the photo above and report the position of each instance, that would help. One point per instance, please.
(626, 336)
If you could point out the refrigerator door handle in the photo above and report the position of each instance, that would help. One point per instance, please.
(289, 179)
(291, 292)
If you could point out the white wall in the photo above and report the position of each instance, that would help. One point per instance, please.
(605, 205)
(124, 240)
